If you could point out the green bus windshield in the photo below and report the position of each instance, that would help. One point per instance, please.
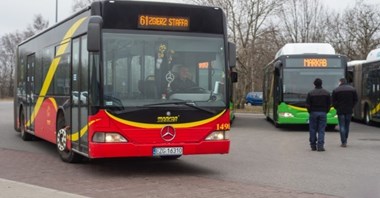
(298, 82)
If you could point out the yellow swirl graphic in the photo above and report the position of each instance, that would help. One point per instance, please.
(155, 126)
(53, 67)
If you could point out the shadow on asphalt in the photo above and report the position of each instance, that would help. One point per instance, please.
(134, 166)
(147, 167)
(302, 128)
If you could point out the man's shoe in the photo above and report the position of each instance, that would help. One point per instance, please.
(321, 149)
(343, 145)
(313, 148)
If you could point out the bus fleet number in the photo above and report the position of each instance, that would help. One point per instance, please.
(223, 126)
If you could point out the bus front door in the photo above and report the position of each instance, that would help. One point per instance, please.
(29, 97)
(79, 101)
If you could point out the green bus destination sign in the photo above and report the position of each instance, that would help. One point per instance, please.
(163, 22)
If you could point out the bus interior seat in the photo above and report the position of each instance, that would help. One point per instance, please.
(148, 87)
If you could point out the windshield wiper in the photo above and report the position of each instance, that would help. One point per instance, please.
(181, 102)
(129, 110)
(296, 103)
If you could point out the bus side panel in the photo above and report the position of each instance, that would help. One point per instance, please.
(50, 79)
(45, 121)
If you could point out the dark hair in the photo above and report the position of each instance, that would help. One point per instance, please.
(318, 82)
(343, 80)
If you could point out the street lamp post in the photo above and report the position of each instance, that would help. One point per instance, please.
(56, 11)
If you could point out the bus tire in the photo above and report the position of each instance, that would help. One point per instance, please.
(171, 157)
(66, 154)
(367, 116)
(23, 134)
(276, 124)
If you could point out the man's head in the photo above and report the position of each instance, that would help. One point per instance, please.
(318, 82)
(184, 73)
(342, 81)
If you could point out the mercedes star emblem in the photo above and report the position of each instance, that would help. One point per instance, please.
(168, 133)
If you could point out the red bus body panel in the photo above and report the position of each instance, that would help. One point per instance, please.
(141, 141)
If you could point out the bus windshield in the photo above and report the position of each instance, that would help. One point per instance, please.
(298, 82)
(140, 69)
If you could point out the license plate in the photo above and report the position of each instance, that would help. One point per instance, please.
(162, 151)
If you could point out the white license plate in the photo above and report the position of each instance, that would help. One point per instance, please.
(162, 151)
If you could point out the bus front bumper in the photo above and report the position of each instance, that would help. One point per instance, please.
(304, 119)
(118, 150)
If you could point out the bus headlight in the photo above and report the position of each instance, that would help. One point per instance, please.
(108, 137)
(218, 135)
(286, 115)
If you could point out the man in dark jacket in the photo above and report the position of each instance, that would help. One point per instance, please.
(182, 82)
(318, 103)
(344, 98)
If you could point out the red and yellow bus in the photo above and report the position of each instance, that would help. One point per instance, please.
(98, 84)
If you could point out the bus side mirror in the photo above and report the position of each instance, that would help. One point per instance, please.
(234, 77)
(232, 54)
(94, 33)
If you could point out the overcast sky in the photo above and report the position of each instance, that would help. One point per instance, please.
(17, 14)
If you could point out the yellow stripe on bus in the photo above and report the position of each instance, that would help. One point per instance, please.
(376, 109)
(53, 67)
(54, 104)
(297, 108)
(155, 126)
(75, 136)
(302, 108)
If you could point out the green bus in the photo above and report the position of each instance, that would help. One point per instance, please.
(289, 77)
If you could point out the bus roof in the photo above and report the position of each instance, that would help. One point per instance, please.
(305, 48)
(355, 62)
(373, 55)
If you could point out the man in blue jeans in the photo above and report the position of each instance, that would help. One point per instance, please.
(344, 98)
(318, 103)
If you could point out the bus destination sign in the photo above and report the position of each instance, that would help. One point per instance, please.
(315, 62)
(163, 22)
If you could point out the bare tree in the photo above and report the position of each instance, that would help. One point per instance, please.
(357, 31)
(8, 46)
(80, 4)
(246, 20)
(303, 21)
(39, 24)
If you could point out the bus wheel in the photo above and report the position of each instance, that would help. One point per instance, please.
(24, 135)
(367, 116)
(171, 157)
(66, 154)
(276, 124)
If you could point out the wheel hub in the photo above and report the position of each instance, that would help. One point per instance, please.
(62, 139)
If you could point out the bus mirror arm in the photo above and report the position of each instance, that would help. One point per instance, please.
(277, 67)
(234, 77)
(277, 71)
(94, 33)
